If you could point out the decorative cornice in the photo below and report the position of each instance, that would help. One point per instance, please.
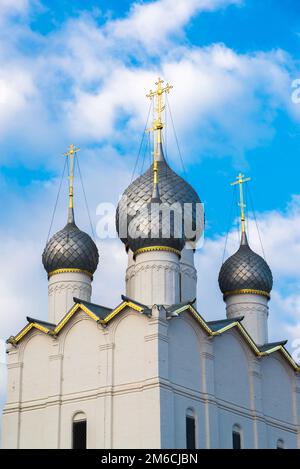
(157, 248)
(238, 309)
(141, 310)
(72, 286)
(245, 291)
(158, 266)
(63, 271)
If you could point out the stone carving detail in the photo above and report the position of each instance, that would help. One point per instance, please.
(166, 274)
(69, 287)
(189, 272)
(247, 308)
(134, 270)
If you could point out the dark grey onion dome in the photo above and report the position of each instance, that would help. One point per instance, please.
(245, 270)
(70, 248)
(154, 229)
(172, 187)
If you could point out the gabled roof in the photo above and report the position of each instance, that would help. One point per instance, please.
(177, 306)
(270, 347)
(100, 311)
(103, 315)
(100, 314)
(41, 323)
(214, 328)
(221, 323)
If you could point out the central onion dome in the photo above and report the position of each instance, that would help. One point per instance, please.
(245, 272)
(138, 225)
(70, 248)
(153, 226)
(172, 190)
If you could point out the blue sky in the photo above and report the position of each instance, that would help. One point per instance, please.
(78, 72)
(242, 28)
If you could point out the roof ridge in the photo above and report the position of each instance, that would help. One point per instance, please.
(237, 319)
(127, 298)
(78, 300)
(39, 321)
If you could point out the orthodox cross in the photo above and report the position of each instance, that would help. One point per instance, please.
(70, 154)
(158, 125)
(241, 180)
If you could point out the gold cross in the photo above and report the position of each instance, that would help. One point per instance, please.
(241, 180)
(157, 123)
(70, 154)
(72, 150)
(159, 106)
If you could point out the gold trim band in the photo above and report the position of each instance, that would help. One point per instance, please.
(245, 291)
(62, 271)
(14, 340)
(157, 248)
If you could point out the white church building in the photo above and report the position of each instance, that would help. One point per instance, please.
(150, 372)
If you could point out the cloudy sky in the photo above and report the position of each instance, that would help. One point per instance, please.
(79, 71)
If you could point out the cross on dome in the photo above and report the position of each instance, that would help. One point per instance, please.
(241, 180)
(70, 154)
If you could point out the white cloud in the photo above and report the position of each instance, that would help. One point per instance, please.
(151, 24)
(10, 7)
(17, 92)
(209, 81)
(79, 83)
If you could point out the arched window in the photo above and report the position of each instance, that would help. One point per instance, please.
(280, 444)
(79, 431)
(190, 423)
(236, 437)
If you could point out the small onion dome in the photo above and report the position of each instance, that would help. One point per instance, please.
(71, 248)
(245, 272)
(156, 226)
(173, 189)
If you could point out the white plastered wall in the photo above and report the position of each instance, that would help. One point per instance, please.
(135, 379)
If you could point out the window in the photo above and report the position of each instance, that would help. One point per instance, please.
(190, 429)
(79, 431)
(236, 437)
(280, 444)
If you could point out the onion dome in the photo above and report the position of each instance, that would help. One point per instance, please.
(173, 189)
(156, 226)
(245, 272)
(71, 248)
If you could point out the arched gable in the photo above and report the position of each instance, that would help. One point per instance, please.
(232, 369)
(81, 356)
(35, 373)
(184, 353)
(129, 355)
(277, 380)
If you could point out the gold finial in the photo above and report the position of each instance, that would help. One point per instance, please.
(241, 180)
(159, 108)
(70, 154)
